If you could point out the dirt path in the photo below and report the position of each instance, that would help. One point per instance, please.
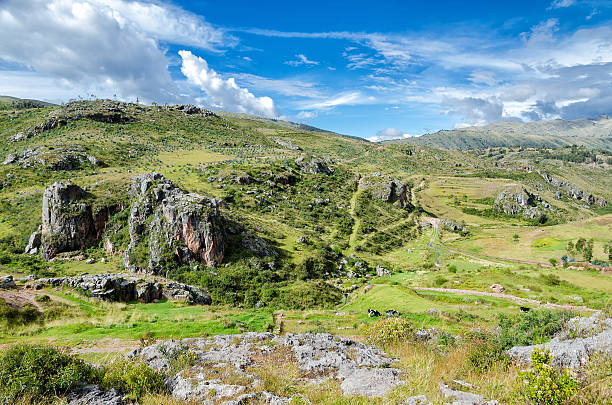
(19, 298)
(514, 298)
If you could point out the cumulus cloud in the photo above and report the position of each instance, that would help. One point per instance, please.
(388, 134)
(106, 46)
(301, 59)
(305, 115)
(223, 93)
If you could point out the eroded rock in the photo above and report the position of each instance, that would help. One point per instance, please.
(362, 369)
(168, 224)
(573, 348)
(94, 395)
(385, 188)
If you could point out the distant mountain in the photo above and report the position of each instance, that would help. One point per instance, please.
(7, 102)
(591, 133)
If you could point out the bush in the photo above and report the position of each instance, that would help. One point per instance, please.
(532, 327)
(389, 331)
(11, 317)
(133, 378)
(543, 384)
(40, 372)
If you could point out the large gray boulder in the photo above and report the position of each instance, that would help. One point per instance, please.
(68, 222)
(583, 338)
(7, 282)
(515, 200)
(385, 188)
(314, 165)
(127, 288)
(94, 395)
(167, 224)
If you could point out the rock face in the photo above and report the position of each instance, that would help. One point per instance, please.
(33, 245)
(167, 224)
(126, 288)
(385, 188)
(583, 338)
(48, 125)
(313, 165)
(7, 282)
(516, 200)
(94, 395)
(572, 191)
(363, 370)
(68, 223)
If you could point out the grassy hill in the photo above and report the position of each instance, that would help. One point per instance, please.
(591, 133)
(8, 102)
(320, 228)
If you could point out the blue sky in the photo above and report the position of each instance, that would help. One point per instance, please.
(378, 70)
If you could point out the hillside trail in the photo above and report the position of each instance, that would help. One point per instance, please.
(20, 297)
(505, 296)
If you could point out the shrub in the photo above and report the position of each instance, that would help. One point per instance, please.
(531, 327)
(133, 378)
(543, 384)
(440, 281)
(550, 279)
(389, 331)
(17, 317)
(40, 372)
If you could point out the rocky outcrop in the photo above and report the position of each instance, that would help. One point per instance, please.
(385, 188)
(68, 222)
(33, 246)
(515, 200)
(287, 144)
(48, 125)
(64, 158)
(583, 338)
(453, 226)
(363, 370)
(94, 395)
(313, 165)
(7, 282)
(572, 191)
(190, 109)
(167, 224)
(127, 288)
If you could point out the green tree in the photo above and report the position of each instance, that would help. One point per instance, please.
(587, 251)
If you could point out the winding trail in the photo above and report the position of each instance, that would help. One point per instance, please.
(504, 296)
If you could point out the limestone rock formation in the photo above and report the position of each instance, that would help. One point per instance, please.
(515, 200)
(287, 144)
(313, 165)
(70, 157)
(68, 222)
(7, 282)
(572, 191)
(94, 395)
(167, 224)
(584, 338)
(385, 188)
(127, 288)
(34, 242)
(362, 369)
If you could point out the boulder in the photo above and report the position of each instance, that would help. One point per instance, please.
(7, 282)
(313, 165)
(382, 272)
(168, 224)
(94, 395)
(287, 144)
(68, 222)
(33, 245)
(385, 188)
(498, 288)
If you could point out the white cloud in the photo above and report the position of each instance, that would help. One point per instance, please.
(223, 93)
(301, 60)
(561, 4)
(82, 42)
(168, 23)
(483, 77)
(291, 87)
(351, 98)
(388, 134)
(305, 115)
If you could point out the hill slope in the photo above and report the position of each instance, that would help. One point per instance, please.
(595, 134)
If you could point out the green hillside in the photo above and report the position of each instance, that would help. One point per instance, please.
(317, 229)
(591, 133)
